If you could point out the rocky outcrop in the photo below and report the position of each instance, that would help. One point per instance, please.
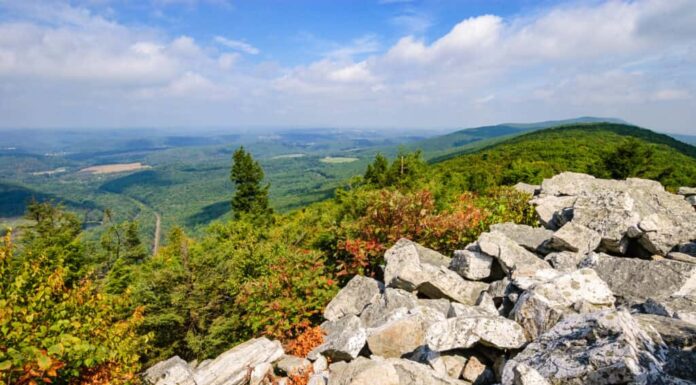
(605, 293)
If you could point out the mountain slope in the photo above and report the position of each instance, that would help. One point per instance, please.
(537, 155)
(470, 139)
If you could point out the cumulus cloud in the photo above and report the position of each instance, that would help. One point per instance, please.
(615, 58)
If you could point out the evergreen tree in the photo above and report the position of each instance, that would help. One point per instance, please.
(376, 173)
(631, 158)
(250, 197)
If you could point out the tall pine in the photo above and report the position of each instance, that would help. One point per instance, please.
(250, 197)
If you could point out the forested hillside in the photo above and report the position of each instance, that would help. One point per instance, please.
(76, 310)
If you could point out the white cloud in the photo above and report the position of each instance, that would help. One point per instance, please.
(237, 45)
(63, 65)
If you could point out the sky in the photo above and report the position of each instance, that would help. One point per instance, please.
(385, 64)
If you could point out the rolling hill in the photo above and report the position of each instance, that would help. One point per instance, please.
(585, 147)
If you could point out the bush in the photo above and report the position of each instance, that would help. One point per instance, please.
(54, 332)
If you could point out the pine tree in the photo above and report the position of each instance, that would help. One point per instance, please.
(250, 196)
(376, 173)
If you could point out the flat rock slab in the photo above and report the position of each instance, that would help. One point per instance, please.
(471, 265)
(414, 373)
(398, 337)
(576, 238)
(231, 367)
(533, 239)
(173, 371)
(363, 371)
(509, 254)
(636, 280)
(465, 332)
(353, 298)
(679, 307)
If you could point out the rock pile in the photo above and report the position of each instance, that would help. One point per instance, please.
(605, 293)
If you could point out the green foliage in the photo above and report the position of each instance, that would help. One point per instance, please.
(604, 150)
(54, 328)
(405, 170)
(249, 197)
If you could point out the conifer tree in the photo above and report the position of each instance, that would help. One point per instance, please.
(250, 197)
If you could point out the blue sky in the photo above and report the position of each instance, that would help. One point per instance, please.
(387, 64)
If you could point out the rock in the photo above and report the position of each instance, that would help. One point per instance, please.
(447, 364)
(540, 307)
(533, 239)
(509, 254)
(550, 209)
(530, 189)
(394, 304)
(364, 372)
(465, 332)
(525, 280)
(486, 302)
(636, 280)
(317, 379)
(398, 337)
(606, 347)
(682, 307)
(691, 199)
(524, 375)
(687, 191)
(681, 257)
(231, 367)
(173, 371)
(292, 365)
(659, 220)
(320, 364)
(477, 372)
(353, 298)
(679, 338)
(461, 310)
(444, 283)
(565, 260)
(471, 265)
(344, 339)
(414, 373)
(261, 374)
(441, 306)
(575, 238)
(412, 267)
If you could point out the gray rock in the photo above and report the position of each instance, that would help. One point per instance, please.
(173, 371)
(292, 365)
(524, 375)
(414, 373)
(636, 280)
(687, 191)
(363, 371)
(261, 374)
(318, 379)
(461, 310)
(320, 364)
(398, 337)
(565, 260)
(509, 254)
(678, 339)
(681, 257)
(611, 208)
(439, 305)
(606, 347)
(412, 267)
(575, 238)
(353, 298)
(681, 307)
(542, 306)
(471, 265)
(530, 189)
(533, 239)
(550, 209)
(231, 367)
(465, 332)
(344, 339)
(691, 199)
(393, 304)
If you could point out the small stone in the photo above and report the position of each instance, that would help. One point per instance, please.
(471, 265)
(477, 372)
